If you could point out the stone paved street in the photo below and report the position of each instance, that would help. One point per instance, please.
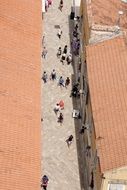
(59, 162)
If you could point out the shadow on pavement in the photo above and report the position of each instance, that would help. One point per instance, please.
(78, 122)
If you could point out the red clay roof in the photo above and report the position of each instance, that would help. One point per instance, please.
(106, 12)
(107, 76)
(20, 48)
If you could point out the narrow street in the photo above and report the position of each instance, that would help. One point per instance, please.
(59, 162)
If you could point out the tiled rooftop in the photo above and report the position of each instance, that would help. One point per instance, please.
(20, 49)
(107, 76)
(106, 12)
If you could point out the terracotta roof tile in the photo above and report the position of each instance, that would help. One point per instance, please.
(20, 48)
(107, 75)
(106, 12)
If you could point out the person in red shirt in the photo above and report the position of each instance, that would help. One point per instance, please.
(61, 104)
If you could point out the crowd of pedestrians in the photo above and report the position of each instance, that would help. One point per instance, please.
(64, 55)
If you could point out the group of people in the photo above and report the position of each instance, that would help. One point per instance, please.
(75, 43)
(53, 76)
(49, 2)
(63, 55)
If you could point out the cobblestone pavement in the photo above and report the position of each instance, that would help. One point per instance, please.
(59, 162)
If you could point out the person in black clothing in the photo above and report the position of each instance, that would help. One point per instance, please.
(75, 33)
(63, 57)
(44, 182)
(67, 82)
(53, 75)
(74, 91)
(69, 140)
(82, 130)
(60, 118)
(65, 49)
(69, 58)
(61, 5)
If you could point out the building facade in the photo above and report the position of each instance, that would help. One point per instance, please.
(101, 29)
(105, 115)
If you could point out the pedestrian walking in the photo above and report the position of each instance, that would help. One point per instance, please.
(63, 57)
(53, 75)
(69, 140)
(65, 49)
(50, 2)
(67, 82)
(44, 182)
(69, 58)
(76, 27)
(61, 104)
(82, 130)
(61, 82)
(61, 5)
(44, 52)
(74, 44)
(45, 77)
(60, 118)
(43, 39)
(46, 5)
(56, 108)
(75, 92)
(75, 33)
(59, 33)
(77, 47)
(59, 52)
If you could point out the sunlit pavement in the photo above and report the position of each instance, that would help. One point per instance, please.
(59, 162)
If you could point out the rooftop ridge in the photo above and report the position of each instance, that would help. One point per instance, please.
(105, 28)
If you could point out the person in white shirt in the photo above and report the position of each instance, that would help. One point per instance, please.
(59, 33)
(57, 108)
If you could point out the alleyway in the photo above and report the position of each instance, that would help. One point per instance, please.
(59, 162)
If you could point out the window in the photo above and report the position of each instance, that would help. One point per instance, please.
(116, 187)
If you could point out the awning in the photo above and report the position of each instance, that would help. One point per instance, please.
(43, 6)
(76, 7)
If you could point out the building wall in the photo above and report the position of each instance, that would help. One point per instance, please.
(101, 182)
(90, 143)
(116, 176)
(85, 28)
(84, 39)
